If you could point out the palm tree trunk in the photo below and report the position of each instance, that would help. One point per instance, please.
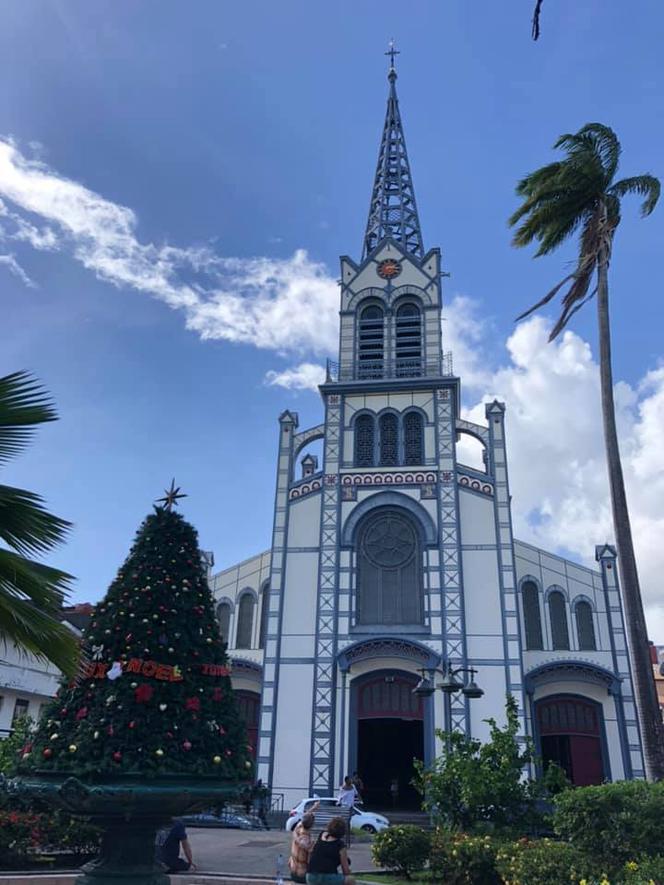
(650, 720)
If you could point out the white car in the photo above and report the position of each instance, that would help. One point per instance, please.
(328, 805)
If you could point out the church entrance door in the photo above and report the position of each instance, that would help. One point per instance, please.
(569, 732)
(389, 723)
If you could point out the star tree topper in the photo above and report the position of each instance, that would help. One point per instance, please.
(171, 497)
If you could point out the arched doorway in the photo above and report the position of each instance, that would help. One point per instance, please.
(387, 734)
(570, 734)
(248, 705)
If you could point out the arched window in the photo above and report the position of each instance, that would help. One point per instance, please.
(370, 342)
(558, 618)
(531, 615)
(389, 440)
(389, 576)
(408, 344)
(224, 618)
(585, 629)
(364, 441)
(413, 438)
(245, 621)
(265, 611)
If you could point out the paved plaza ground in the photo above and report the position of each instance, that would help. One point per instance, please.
(254, 852)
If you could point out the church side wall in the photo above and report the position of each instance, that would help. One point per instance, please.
(484, 628)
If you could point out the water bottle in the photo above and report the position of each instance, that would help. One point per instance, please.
(280, 869)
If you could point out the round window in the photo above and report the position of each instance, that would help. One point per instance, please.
(389, 541)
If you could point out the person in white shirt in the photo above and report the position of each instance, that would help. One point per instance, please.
(347, 793)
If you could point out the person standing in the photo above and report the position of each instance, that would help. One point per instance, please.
(328, 854)
(302, 844)
(358, 783)
(168, 845)
(347, 793)
(394, 791)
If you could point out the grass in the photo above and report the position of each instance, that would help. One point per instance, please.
(392, 879)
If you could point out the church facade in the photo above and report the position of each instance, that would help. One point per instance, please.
(392, 562)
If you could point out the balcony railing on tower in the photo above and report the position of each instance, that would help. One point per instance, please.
(376, 369)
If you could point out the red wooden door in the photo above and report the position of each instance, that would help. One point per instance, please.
(587, 766)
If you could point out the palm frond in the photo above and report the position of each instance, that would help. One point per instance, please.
(606, 146)
(31, 595)
(645, 185)
(23, 404)
(26, 525)
(46, 587)
(546, 299)
(536, 20)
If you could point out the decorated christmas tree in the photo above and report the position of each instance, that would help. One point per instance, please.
(153, 694)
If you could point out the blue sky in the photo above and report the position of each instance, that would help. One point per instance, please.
(235, 135)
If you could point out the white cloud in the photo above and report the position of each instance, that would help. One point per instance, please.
(289, 305)
(10, 262)
(555, 445)
(306, 376)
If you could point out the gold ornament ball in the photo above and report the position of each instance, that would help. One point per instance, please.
(159, 752)
(216, 759)
(247, 764)
(25, 756)
(208, 639)
(73, 748)
(54, 737)
(95, 735)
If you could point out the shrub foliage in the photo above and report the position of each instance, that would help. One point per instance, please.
(475, 783)
(402, 849)
(612, 823)
(460, 859)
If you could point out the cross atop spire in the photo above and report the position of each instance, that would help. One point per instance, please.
(393, 211)
(392, 51)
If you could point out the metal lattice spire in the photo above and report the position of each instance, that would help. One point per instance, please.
(393, 211)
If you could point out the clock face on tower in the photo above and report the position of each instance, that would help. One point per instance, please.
(388, 269)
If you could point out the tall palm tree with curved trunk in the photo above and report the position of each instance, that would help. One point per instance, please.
(31, 593)
(580, 194)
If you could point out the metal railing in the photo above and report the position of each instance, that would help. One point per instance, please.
(371, 370)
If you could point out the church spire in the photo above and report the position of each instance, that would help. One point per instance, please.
(393, 211)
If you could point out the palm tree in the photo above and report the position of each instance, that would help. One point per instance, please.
(579, 193)
(31, 594)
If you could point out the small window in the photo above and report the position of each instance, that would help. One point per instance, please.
(364, 441)
(245, 621)
(413, 438)
(531, 615)
(584, 627)
(20, 710)
(370, 342)
(265, 611)
(389, 440)
(558, 618)
(224, 618)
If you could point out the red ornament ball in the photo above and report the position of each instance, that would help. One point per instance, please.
(47, 752)
(186, 745)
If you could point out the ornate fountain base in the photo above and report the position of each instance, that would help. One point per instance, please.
(129, 811)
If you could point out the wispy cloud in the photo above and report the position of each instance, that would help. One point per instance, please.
(10, 262)
(306, 376)
(289, 305)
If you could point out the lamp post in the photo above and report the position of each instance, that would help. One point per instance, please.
(450, 685)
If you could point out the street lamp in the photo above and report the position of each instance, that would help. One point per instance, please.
(450, 685)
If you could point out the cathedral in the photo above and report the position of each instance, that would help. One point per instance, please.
(394, 599)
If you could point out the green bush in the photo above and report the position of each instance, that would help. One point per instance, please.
(402, 849)
(474, 783)
(649, 871)
(540, 862)
(612, 823)
(460, 859)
